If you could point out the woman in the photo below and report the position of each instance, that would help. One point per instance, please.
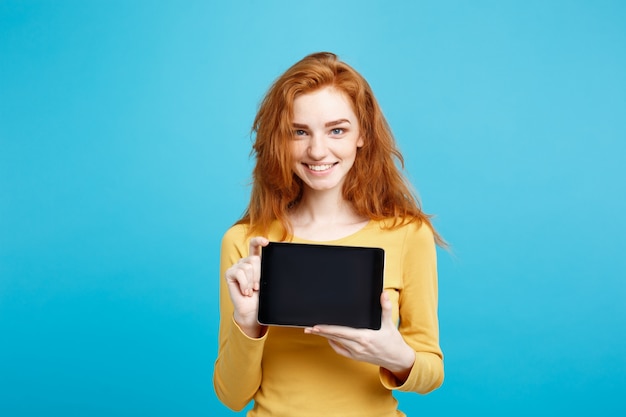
(326, 173)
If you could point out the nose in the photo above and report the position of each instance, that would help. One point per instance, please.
(317, 149)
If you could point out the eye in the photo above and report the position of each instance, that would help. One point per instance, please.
(337, 131)
(299, 132)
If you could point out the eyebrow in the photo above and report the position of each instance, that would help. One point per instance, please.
(329, 124)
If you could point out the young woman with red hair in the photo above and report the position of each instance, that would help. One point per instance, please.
(328, 171)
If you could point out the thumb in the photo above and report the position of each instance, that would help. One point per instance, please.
(256, 243)
(387, 307)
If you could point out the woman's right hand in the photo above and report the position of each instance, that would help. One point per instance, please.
(243, 285)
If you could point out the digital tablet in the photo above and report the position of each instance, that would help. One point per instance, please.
(305, 284)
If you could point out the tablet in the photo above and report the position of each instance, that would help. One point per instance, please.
(306, 284)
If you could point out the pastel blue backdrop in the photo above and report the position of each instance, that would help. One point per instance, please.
(124, 156)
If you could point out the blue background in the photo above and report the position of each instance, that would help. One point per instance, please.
(124, 156)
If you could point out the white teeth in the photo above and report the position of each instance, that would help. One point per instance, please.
(320, 167)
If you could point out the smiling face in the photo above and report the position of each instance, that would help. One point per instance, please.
(326, 137)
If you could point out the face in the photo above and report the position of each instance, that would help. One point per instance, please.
(325, 140)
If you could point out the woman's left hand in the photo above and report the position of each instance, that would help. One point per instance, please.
(384, 347)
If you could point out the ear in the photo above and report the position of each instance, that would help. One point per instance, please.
(360, 142)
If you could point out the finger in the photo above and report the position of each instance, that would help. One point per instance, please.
(242, 274)
(334, 332)
(239, 276)
(256, 243)
(387, 307)
(333, 339)
(251, 266)
(339, 348)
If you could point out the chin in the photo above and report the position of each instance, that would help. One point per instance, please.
(324, 187)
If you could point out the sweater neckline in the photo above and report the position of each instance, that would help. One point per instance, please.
(343, 239)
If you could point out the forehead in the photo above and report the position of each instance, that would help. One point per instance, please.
(326, 102)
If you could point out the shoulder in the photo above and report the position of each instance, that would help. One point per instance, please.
(235, 238)
(243, 231)
(410, 228)
(236, 232)
(422, 232)
(404, 237)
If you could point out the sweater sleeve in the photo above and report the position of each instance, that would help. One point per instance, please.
(237, 373)
(418, 313)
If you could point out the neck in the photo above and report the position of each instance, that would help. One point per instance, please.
(324, 208)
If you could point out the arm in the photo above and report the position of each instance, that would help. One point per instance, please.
(418, 301)
(408, 355)
(237, 373)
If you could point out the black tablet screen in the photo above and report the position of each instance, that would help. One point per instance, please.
(305, 285)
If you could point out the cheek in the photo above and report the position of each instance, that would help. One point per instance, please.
(351, 152)
(296, 148)
(292, 154)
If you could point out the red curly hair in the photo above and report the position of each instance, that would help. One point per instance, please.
(375, 185)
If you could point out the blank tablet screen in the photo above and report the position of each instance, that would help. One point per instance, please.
(305, 285)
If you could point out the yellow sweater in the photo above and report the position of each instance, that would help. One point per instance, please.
(292, 374)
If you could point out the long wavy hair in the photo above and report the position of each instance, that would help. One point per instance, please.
(375, 185)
